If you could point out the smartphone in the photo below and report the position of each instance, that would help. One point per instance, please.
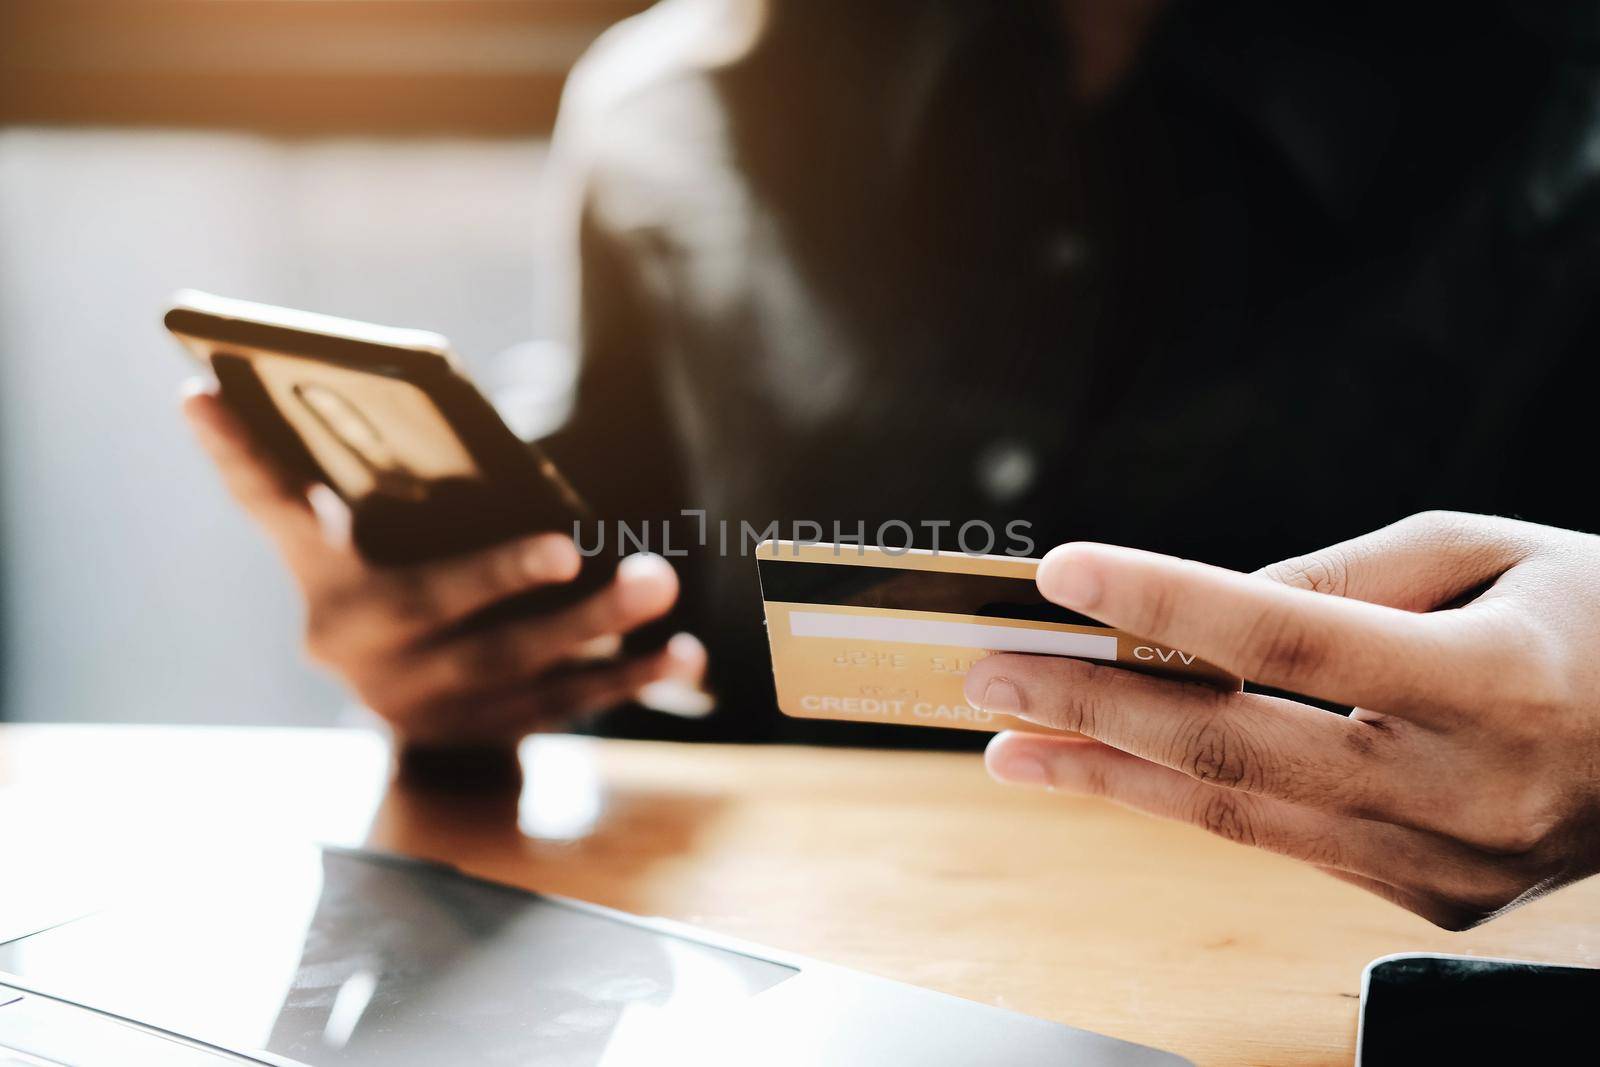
(1427, 1008)
(388, 419)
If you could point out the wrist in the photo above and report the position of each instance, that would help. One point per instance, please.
(459, 767)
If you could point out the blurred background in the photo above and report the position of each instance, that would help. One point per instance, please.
(377, 159)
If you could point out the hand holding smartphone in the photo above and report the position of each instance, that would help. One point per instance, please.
(383, 416)
(459, 608)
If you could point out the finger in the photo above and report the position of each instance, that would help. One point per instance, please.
(334, 517)
(1418, 564)
(1257, 744)
(505, 655)
(681, 690)
(604, 647)
(253, 478)
(577, 695)
(372, 612)
(1334, 648)
(1089, 769)
(644, 589)
(431, 596)
(688, 659)
(1370, 854)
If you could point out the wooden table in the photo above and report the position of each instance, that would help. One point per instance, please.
(909, 865)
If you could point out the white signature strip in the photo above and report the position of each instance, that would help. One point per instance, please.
(954, 634)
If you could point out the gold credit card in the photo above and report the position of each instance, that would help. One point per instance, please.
(869, 635)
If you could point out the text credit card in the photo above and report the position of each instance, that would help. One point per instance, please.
(869, 635)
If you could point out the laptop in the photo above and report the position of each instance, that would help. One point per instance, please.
(316, 956)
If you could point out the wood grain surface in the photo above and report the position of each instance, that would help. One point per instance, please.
(909, 865)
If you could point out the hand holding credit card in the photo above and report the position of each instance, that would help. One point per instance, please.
(869, 635)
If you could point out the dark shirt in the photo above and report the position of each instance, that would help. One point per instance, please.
(1309, 269)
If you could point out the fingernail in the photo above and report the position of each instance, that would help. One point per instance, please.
(1001, 697)
(1068, 581)
(685, 647)
(640, 563)
(1023, 770)
(648, 586)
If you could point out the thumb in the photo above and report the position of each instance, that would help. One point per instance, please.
(253, 478)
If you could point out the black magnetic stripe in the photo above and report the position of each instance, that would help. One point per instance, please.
(899, 588)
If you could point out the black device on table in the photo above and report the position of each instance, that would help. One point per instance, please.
(1426, 1008)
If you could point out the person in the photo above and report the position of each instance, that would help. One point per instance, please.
(1220, 281)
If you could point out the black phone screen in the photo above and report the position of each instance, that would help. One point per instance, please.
(1444, 1009)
